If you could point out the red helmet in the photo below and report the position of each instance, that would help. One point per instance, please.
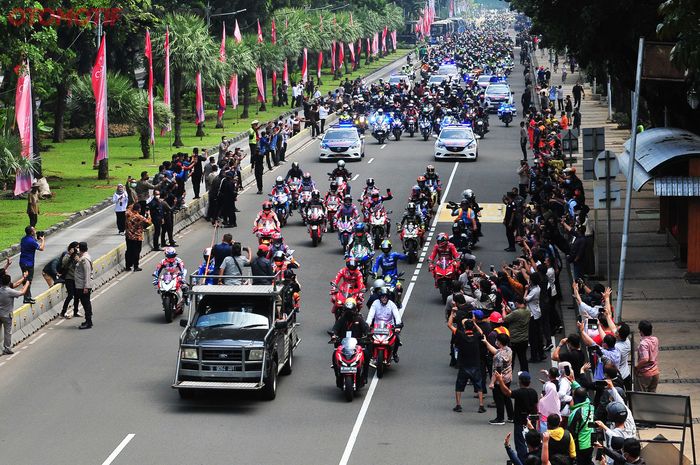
(442, 240)
(276, 237)
(267, 206)
(351, 263)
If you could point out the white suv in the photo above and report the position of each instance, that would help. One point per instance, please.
(457, 142)
(342, 142)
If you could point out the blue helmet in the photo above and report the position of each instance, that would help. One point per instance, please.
(360, 228)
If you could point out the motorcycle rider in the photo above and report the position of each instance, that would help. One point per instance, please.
(291, 290)
(277, 244)
(360, 237)
(459, 239)
(264, 215)
(413, 216)
(307, 184)
(294, 172)
(469, 196)
(388, 262)
(341, 172)
(443, 248)
(282, 262)
(374, 200)
(280, 189)
(332, 191)
(383, 309)
(466, 215)
(176, 267)
(351, 321)
(352, 276)
(432, 178)
(207, 267)
(370, 188)
(314, 201)
(421, 183)
(348, 209)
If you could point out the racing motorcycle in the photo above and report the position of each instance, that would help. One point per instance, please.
(479, 127)
(364, 256)
(360, 122)
(345, 225)
(411, 125)
(378, 224)
(445, 273)
(316, 223)
(380, 131)
(294, 184)
(392, 282)
(304, 198)
(279, 204)
(396, 128)
(342, 184)
(332, 206)
(410, 240)
(264, 231)
(506, 112)
(169, 288)
(383, 342)
(340, 294)
(348, 364)
(426, 128)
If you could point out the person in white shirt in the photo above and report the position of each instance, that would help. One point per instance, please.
(120, 200)
(322, 115)
(384, 310)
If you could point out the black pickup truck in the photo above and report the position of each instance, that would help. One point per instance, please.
(236, 337)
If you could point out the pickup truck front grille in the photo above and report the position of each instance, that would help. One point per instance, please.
(222, 355)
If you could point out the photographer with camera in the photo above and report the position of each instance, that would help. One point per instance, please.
(30, 243)
(467, 340)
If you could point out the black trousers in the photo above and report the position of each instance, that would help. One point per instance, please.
(30, 278)
(87, 305)
(535, 331)
(228, 213)
(323, 125)
(196, 185)
(502, 403)
(520, 351)
(121, 221)
(523, 147)
(32, 219)
(510, 235)
(283, 151)
(167, 228)
(259, 174)
(133, 253)
(71, 297)
(156, 233)
(267, 160)
(577, 101)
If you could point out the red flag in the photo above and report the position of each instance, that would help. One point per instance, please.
(320, 64)
(222, 58)
(149, 56)
(166, 84)
(199, 101)
(393, 39)
(351, 48)
(285, 73)
(333, 56)
(99, 89)
(237, 33)
(260, 37)
(233, 91)
(341, 55)
(25, 125)
(273, 39)
(384, 39)
(304, 68)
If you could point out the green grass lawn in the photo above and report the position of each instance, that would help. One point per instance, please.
(73, 181)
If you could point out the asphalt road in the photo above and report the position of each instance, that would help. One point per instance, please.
(103, 396)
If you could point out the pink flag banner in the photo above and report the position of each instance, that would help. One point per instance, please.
(237, 33)
(375, 44)
(261, 84)
(99, 89)
(233, 91)
(222, 58)
(273, 39)
(333, 56)
(393, 40)
(384, 31)
(320, 64)
(25, 126)
(166, 83)
(149, 57)
(285, 73)
(304, 68)
(199, 101)
(341, 55)
(351, 48)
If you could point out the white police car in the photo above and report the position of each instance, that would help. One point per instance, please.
(496, 94)
(457, 142)
(342, 141)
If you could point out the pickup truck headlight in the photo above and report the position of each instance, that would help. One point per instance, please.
(255, 355)
(189, 354)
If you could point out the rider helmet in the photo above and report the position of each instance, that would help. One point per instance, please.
(456, 228)
(464, 204)
(375, 195)
(360, 229)
(334, 186)
(442, 240)
(340, 164)
(170, 252)
(380, 112)
(383, 292)
(468, 193)
(370, 182)
(377, 284)
(386, 246)
(496, 318)
(206, 253)
(295, 165)
(347, 200)
(430, 169)
(350, 304)
(421, 180)
(276, 237)
(267, 206)
(278, 256)
(315, 194)
(411, 208)
(351, 263)
(279, 181)
(306, 177)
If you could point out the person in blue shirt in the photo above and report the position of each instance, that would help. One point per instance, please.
(264, 148)
(388, 262)
(204, 270)
(28, 247)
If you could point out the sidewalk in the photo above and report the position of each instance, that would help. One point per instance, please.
(655, 288)
(99, 228)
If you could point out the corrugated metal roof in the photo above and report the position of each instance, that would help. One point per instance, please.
(677, 186)
(656, 147)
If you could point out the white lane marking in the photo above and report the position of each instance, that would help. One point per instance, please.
(109, 287)
(25, 347)
(382, 146)
(355, 177)
(414, 278)
(1, 364)
(59, 322)
(37, 339)
(370, 393)
(370, 160)
(17, 352)
(119, 448)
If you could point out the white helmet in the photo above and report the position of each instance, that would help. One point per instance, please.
(468, 194)
(377, 284)
(341, 163)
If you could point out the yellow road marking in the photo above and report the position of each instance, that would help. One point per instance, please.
(490, 213)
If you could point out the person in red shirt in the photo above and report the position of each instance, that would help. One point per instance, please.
(443, 248)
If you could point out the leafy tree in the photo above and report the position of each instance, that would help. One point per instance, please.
(680, 24)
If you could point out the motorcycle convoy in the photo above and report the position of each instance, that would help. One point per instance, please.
(363, 233)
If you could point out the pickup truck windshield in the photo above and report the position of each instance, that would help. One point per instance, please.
(235, 318)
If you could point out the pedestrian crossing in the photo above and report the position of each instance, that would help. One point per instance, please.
(490, 213)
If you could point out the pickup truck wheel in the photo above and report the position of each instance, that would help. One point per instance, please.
(269, 391)
(187, 393)
(287, 368)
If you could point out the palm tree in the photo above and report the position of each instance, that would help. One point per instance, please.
(192, 49)
(240, 61)
(267, 56)
(11, 159)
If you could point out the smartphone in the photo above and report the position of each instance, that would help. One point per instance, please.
(533, 419)
(492, 268)
(592, 324)
(567, 370)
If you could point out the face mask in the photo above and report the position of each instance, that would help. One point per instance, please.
(133, 184)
